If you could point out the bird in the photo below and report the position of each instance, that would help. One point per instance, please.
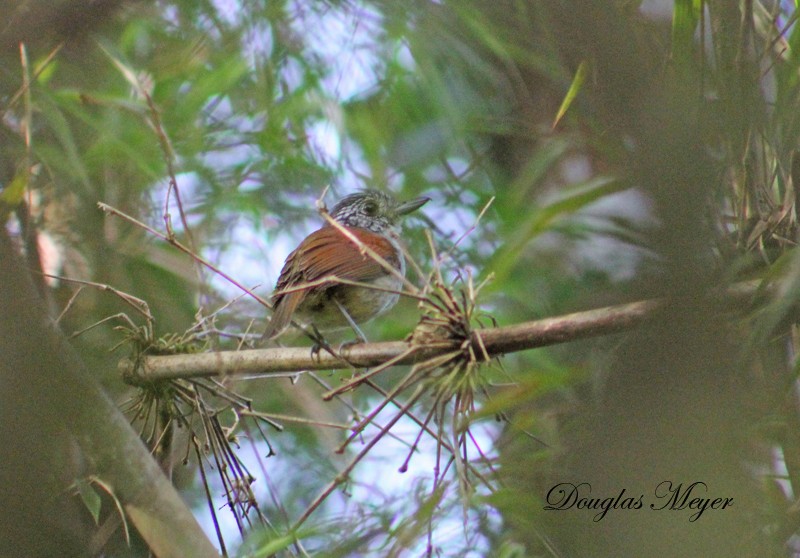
(372, 217)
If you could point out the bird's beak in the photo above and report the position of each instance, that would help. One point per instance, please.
(407, 207)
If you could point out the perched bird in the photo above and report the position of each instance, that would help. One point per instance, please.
(371, 217)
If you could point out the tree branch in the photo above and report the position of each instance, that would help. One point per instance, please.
(497, 341)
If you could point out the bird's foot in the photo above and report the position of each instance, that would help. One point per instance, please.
(320, 343)
(345, 346)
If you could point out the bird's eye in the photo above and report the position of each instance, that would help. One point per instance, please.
(370, 208)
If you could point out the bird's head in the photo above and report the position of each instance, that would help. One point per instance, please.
(373, 210)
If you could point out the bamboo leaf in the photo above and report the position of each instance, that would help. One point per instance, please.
(12, 194)
(266, 543)
(541, 219)
(90, 498)
(685, 17)
(572, 92)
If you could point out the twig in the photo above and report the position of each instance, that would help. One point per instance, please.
(23, 90)
(472, 227)
(172, 184)
(177, 244)
(134, 302)
(342, 476)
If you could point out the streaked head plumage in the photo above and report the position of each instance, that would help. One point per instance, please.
(373, 210)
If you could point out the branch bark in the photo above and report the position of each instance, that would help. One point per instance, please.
(497, 341)
(47, 393)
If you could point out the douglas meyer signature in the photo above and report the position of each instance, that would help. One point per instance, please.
(666, 496)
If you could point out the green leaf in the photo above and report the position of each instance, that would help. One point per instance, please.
(535, 171)
(126, 70)
(685, 17)
(541, 219)
(90, 497)
(13, 192)
(265, 543)
(572, 92)
(274, 546)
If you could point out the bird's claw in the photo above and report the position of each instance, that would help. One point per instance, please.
(347, 344)
(320, 343)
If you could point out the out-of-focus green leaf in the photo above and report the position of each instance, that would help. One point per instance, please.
(572, 92)
(130, 75)
(541, 219)
(264, 543)
(531, 176)
(90, 498)
(45, 69)
(12, 194)
(685, 17)
(73, 162)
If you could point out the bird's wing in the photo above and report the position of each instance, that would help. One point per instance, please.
(329, 252)
(326, 252)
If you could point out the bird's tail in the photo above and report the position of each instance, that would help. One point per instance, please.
(282, 313)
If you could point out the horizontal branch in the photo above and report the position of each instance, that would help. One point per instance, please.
(497, 341)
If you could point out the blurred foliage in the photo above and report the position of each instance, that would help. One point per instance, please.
(631, 153)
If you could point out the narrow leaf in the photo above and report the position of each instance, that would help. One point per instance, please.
(90, 497)
(572, 92)
(12, 194)
(685, 17)
(541, 219)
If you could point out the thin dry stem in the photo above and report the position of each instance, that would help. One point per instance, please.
(296, 420)
(473, 226)
(342, 476)
(134, 302)
(177, 244)
(358, 380)
(328, 279)
(23, 90)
